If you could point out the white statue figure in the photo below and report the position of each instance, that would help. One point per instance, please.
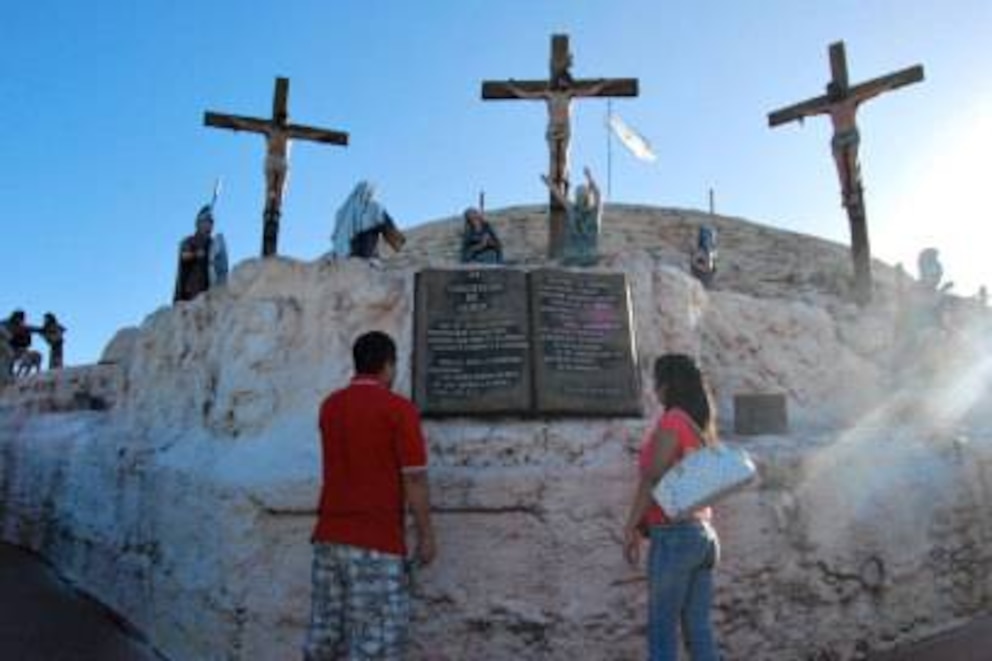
(359, 223)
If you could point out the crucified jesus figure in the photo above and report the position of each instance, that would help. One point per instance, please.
(841, 103)
(559, 99)
(278, 133)
(558, 91)
(844, 144)
(276, 168)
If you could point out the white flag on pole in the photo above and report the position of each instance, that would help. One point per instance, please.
(631, 139)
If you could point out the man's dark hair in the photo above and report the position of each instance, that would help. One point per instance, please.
(373, 351)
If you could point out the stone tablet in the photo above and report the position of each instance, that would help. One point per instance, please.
(760, 414)
(583, 343)
(471, 352)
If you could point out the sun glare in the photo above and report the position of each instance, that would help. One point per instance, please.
(943, 201)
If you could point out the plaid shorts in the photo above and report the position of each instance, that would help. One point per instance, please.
(360, 604)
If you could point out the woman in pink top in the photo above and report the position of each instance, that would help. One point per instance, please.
(683, 553)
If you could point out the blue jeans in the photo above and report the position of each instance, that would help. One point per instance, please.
(680, 580)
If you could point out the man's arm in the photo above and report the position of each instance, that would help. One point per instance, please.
(521, 93)
(591, 90)
(821, 105)
(417, 493)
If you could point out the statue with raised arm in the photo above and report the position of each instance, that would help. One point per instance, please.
(584, 218)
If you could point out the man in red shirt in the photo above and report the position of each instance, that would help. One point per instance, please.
(374, 466)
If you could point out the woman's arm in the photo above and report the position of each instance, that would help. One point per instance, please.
(665, 446)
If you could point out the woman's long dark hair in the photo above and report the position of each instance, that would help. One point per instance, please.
(686, 389)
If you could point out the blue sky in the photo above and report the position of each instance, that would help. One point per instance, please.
(106, 161)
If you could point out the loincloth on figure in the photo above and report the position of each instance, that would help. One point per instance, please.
(845, 140)
(276, 166)
(558, 133)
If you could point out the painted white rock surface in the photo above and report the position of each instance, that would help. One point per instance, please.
(178, 482)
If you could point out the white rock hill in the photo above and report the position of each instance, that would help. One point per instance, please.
(178, 481)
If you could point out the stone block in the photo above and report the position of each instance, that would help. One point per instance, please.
(756, 414)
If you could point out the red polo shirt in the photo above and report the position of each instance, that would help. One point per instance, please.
(369, 436)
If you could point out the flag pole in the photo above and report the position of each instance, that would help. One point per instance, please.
(609, 150)
(216, 194)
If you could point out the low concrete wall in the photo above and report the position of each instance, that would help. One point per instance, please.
(847, 544)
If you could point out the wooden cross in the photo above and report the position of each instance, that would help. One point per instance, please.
(558, 91)
(841, 102)
(278, 132)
